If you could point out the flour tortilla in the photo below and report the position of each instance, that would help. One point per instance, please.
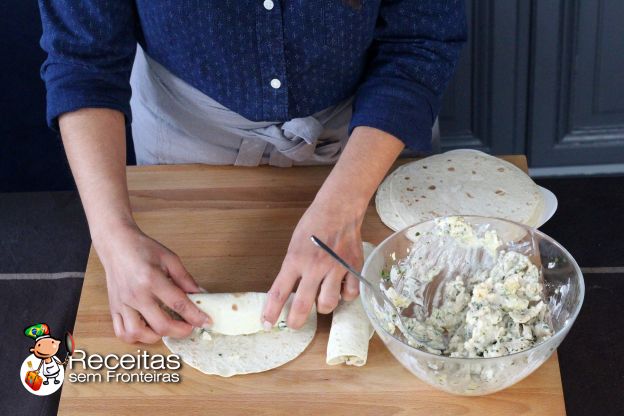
(459, 182)
(350, 330)
(384, 203)
(234, 313)
(229, 355)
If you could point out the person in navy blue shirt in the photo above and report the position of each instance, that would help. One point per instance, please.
(242, 82)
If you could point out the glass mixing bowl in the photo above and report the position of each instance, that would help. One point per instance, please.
(564, 292)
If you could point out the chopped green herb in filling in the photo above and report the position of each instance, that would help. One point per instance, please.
(493, 312)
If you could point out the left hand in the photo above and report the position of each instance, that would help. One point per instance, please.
(337, 224)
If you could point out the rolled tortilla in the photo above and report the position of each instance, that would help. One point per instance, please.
(350, 330)
(242, 352)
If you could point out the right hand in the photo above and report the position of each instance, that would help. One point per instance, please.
(141, 275)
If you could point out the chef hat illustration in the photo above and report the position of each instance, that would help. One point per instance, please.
(38, 331)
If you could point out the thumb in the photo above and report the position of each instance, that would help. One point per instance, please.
(173, 266)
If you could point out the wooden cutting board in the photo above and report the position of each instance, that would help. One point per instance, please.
(231, 227)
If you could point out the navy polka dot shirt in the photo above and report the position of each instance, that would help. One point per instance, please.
(267, 60)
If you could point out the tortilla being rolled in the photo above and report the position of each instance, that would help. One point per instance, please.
(243, 351)
(350, 330)
(236, 313)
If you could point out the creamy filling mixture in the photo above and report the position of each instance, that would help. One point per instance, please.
(489, 301)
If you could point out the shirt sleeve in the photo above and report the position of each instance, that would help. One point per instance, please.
(414, 53)
(90, 46)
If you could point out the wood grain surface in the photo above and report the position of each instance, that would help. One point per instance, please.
(231, 227)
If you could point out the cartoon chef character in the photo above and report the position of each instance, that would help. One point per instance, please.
(45, 349)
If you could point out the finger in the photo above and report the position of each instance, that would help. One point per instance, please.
(175, 269)
(118, 325)
(303, 301)
(329, 295)
(177, 301)
(162, 324)
(279, 293)
(350, 288)
(135, 328)
(351, 285)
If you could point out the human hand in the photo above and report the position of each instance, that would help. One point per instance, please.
(141, 275)
(338, 225)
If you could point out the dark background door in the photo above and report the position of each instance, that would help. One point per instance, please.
(485, 105)
(544, 78)
(577, 93)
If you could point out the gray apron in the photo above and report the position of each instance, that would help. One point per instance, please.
(176, 123)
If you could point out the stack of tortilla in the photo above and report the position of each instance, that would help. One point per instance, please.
(459, 182)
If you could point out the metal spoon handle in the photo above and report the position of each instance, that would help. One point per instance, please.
(377, 292)
(339, 259)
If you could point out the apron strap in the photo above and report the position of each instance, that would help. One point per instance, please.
(250, 152)
(277, 158)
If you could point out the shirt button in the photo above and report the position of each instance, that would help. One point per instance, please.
(276, 83)
(268, 4)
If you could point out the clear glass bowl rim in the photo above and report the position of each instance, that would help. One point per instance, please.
(569, 322)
